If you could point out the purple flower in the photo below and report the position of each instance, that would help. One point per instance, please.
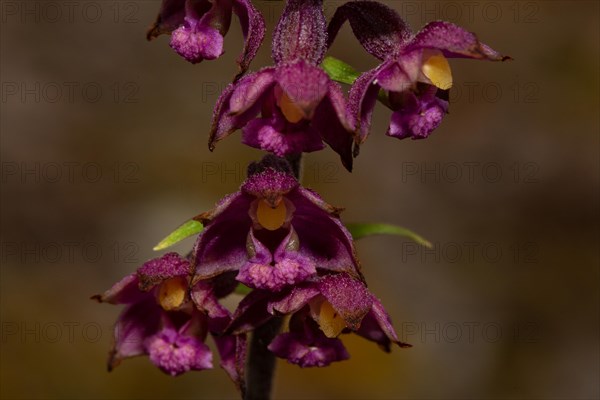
(169, 322)
(300, 106)
(197, 28)
(320, 310)
(273, 232)
(306, 345)
(415, 73)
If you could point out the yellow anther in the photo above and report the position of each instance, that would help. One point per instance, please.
(289, 109)
(437, 70)
(172, 293)
(271, 218)
(329, 320)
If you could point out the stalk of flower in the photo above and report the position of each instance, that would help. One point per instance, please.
(197, 28)
(415, 73)
(299, 106)
(168, 320)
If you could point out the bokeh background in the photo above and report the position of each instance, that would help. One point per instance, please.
(103, 146)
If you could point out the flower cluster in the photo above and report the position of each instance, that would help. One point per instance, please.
(263, 237)
(168, 319)
(280, 242)
(266, 234)
(293, 106)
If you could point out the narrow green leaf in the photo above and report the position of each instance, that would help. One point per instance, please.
(339, 71)
(361, 230)
(242, 289)
(188, 229)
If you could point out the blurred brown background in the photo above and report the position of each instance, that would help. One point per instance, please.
(104, 152)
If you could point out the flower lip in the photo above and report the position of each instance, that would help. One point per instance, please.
(306, 346)
(274, 271)
(417, 114)
(176, 353)
(196, 43)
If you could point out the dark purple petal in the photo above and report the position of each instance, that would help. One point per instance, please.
(222, 124)
(218, 16)
(348, 296)
(239, 103)
(253, 28)
(205, 300)
(377, 327)
(308, 347)
(251, 312)
(223, 285)
(399, 76)
(175, 353)
(332, 249)
(221, 246)
(304, 84)
(273, 273)
(378, 28)
(196, 42)
(135, 324)
(330, 121)
(453, 41)
(314, 198)
(272, 134)
(361, 102)
(293, 301)
(126, 291)
(222, 206)
(170, 17)
(232, 350)
(160, 269)
(301, 32)
(419, 115)
(250, 90)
